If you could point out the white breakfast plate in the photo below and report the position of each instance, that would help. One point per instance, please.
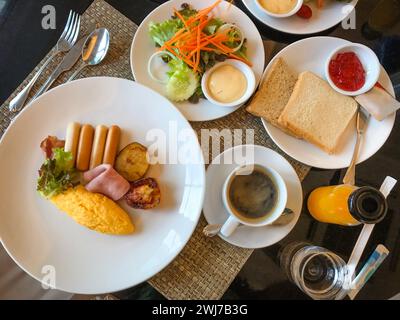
(215, 212)
(143, 47)
(36, 234)
(311, 55)
(333, 13)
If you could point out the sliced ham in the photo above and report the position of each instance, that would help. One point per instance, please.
(105, 180)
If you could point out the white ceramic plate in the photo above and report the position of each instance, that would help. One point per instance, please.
(311, 55)
(215, 212)
(143, 47)
(323, 19)
(36, 234)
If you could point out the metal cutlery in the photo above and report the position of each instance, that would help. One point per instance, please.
(212, 230)
(94, 49)
(66, 64)
(362, 120)
(64, 43)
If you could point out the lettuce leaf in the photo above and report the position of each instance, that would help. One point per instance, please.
(187, 11)
(57, 174)
(213, 25)
(163, 31)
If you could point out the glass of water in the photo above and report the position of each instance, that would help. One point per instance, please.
(318, 272)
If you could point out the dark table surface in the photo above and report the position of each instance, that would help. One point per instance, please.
(23, 43)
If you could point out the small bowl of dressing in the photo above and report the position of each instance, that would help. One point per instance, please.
(352, 69)
(229, 83)
(279, 8)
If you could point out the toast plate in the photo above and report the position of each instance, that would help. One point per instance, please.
(311, 54)
(323, 19)
(143, 47)
(215, 212)
(42, 239)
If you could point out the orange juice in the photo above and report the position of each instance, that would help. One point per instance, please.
(347, 205)
(330, 205)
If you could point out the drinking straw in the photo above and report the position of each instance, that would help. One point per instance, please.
(386, 187)
(373, 263)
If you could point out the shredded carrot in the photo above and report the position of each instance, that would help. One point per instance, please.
(207, 10)
(234, 56)
(188, 43)
(180, 17)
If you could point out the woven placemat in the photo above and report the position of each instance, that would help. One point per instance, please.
(206, 267)
(116, 63)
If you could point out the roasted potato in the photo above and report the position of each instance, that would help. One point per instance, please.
(131, 162)
(143, 194)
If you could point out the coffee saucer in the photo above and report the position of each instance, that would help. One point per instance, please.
(215, 212)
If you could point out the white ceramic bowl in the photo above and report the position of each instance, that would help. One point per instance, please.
(282, 15)
(369, 61)
(248, 73)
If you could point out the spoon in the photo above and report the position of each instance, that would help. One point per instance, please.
(212, 230)
(94, 49)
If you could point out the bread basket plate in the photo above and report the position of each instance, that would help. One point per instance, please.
(323, 19)
(311, 55)
(143, 47)
(43, 240)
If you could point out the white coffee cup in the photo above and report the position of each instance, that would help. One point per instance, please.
(235, 219)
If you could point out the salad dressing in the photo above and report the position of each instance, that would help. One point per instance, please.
(278, 6)
(227, 84)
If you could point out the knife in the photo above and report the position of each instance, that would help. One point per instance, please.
(66, 64)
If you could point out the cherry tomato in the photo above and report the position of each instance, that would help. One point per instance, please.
(305, 12)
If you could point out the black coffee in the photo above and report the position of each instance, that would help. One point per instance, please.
(254, 195)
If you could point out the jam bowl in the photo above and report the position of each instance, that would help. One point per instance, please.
(352, 69)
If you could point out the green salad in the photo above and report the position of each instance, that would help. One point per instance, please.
(190, 42)
(57, 174)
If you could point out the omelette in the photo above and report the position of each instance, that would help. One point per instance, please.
(94, 211)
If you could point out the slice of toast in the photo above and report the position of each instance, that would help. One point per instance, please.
(317, 113)
(274, 93)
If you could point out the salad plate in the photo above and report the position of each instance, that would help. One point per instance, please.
(332, 13)
(41, 238)
(145, 43)
(298, 59)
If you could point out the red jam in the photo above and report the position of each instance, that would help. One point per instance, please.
(347, 72)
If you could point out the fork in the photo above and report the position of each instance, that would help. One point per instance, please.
(65, 43)
(362, 119)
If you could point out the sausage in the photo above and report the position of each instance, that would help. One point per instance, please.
(72, 139)
(112, 142)
(84, 147)
(99, 142)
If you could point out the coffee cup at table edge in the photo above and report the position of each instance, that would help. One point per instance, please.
(234, 220)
